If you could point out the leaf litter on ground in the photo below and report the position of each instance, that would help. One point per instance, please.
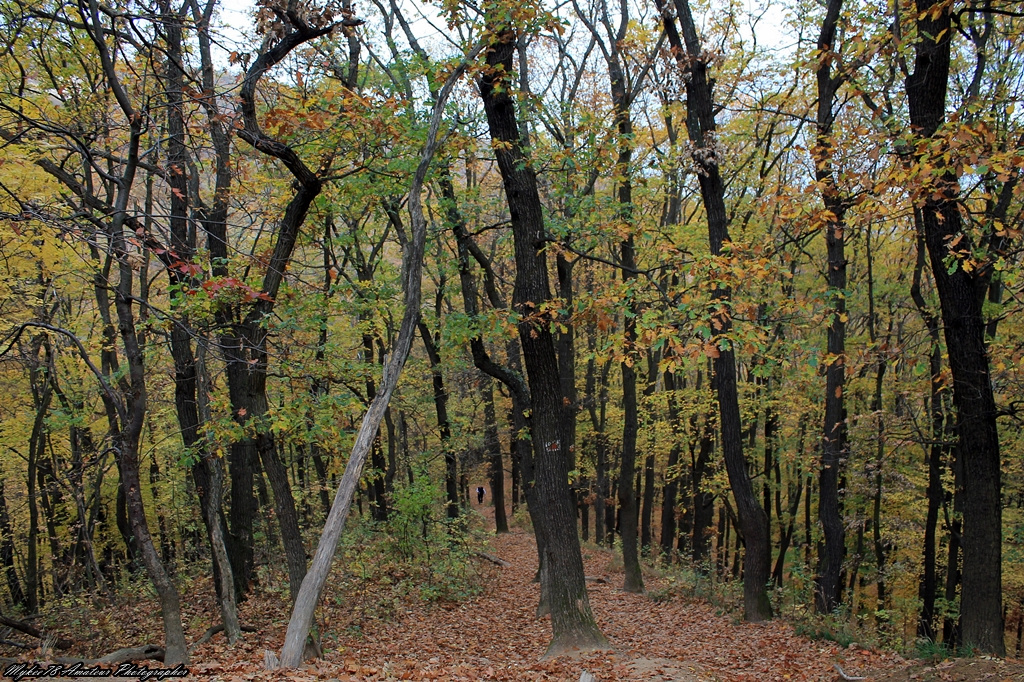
(496, 636)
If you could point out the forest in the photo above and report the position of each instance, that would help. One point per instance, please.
(730, 289)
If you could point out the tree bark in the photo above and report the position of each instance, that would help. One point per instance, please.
(572, 621)
(961, 294)
(701, 128)
(313, 584)
(834, 449)
(633, 580)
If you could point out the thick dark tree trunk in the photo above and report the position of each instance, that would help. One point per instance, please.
(247, 374)
(828, 582)
(284, 508)
(245, 342)
(701, 129)
(627, 472)
(241, 542)
(634, 581)
(451, 473)
(573, 624)
(495, 466)
(961, 293)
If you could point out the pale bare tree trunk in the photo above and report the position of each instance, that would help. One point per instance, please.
(316, 577)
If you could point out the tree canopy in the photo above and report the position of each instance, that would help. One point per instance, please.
(726, 287)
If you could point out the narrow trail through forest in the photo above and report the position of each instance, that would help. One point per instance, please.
(666, 634)
(496, 636)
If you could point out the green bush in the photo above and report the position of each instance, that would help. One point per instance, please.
(418, 553)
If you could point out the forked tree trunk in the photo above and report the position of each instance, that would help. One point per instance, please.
(961, 294)
(187, 398)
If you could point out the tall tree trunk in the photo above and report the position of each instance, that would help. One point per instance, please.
(245, 343)
(834, 449)
(572, 621)
(701, 127)
(131, 404)
(961, 294)
(495, 465)
(633, 581)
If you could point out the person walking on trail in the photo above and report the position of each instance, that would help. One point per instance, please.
(480, 494)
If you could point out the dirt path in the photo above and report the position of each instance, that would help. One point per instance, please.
(496, 637)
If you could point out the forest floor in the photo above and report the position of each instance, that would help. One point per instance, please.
(494, 636)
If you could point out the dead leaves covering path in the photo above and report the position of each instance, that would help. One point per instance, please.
(496, 637)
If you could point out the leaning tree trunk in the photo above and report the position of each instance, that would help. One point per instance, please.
(701, 128)
(132, 415)
(313, 584)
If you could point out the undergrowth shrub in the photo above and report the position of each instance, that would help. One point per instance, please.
(418, 553)
(684, 580)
